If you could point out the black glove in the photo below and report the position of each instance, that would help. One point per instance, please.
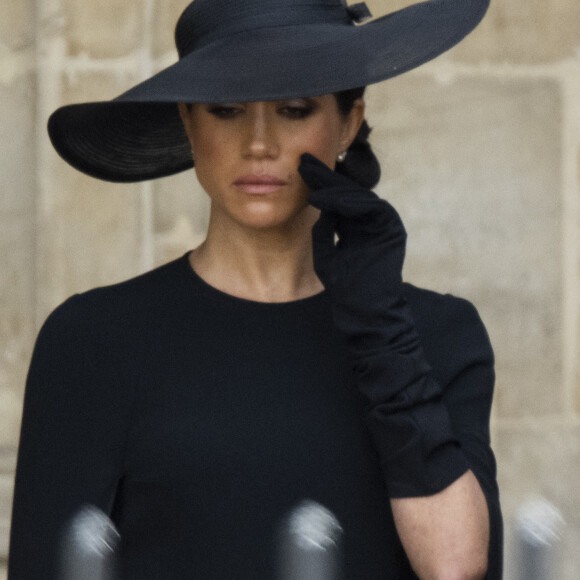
(362, 273)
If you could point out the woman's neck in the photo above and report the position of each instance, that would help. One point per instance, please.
(273, 265)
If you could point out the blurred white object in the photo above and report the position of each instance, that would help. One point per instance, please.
(89, 547)
(310, 544)
(539, 526)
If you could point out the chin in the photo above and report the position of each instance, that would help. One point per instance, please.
(274, 220)
(264, 223)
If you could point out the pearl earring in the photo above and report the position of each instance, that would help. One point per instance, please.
(341, 157)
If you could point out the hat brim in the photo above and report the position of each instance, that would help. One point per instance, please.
(139, 135)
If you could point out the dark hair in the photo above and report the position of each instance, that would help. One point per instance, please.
(360, 164)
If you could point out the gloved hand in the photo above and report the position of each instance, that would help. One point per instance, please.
(362, 274)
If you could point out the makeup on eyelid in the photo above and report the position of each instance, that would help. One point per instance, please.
(292, 110)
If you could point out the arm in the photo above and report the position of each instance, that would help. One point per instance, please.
(423, 455)
(468, 512)
(446, 535)
(72, 437)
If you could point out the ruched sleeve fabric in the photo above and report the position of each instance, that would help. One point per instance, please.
(458, 348)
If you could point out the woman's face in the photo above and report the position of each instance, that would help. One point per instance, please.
(247, 154)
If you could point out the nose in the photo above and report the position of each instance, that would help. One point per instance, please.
(261, 139)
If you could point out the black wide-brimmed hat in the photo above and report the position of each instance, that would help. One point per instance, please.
(251, 50)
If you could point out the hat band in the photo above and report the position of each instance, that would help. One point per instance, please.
(281, 16)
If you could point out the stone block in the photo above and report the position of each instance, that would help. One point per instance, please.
(181, 210)
(541, 461)
(11, 405)
(6, 491)
(379, 8)
(165, 15)
(17, 24)
(577, 384)
(17, 177)
(86, 85)
(104, 29)
(7, 467)
(539, 31)
(577, 286)
(473, 166)
(90, 230)
(17, 246)
(17, 321)
(92, 238)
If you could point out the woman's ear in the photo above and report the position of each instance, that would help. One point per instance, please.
(353, 123)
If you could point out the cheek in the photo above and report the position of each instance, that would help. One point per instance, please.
(211, 156)
(322, 142)
(209, 146)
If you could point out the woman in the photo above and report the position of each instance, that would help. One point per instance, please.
(199, 403)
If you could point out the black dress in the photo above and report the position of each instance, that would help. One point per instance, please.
(199, 420)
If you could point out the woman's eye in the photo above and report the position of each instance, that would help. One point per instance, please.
(223, 111)
(296, 112)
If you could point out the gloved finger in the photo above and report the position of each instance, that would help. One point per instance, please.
(348, 201)
(358, 217)
(337, 194)
(358, 222)
(324, 183)
(323, 238)
(318, 175)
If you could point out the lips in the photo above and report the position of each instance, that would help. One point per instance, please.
(259, 184)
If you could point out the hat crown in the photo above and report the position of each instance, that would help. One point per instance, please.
(205, 21)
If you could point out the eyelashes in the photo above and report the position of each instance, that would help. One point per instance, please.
(224, 111)
(293, 110)
(297, 112)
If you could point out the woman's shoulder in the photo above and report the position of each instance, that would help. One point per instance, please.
(124, 305)
(441, 313)
(433, 305)
(451, 329)
(143, 291)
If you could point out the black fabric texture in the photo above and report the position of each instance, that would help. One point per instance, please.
(198, 421)
(362, 272)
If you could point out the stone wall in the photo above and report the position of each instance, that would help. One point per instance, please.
(481, 155)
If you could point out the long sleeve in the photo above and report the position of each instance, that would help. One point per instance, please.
(73, 435)
(458, 347)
